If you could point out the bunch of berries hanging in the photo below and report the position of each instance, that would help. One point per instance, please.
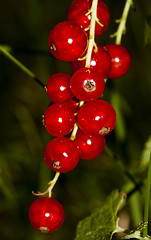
(76, 106)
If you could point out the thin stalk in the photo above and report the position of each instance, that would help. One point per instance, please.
(74, 132)
(20, 65)
(136, 188)
(53, 182)
(51, 185)
(122, 26)
(147, 198)
(121, 165)
(91, 43)
(122, 22)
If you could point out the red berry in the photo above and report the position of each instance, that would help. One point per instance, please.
(75, 104)
(96, 117)
(46, 214)
(89, 146)
(120, 58)
(67, 41)
(59, 119)
(78, 10)
(58, 88)
(87, 84)
(100, 62)
(61, 155)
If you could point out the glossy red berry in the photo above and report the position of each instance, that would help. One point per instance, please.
(87, 84)
(73, 104)
(120, 59)
(89, 146)
(61, 155)
(97, 117)
(100, 62)
(78, 10)
(58, 88)
(59, 119)
(46, 214)
(67, 41)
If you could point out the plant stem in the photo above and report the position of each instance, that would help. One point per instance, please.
(121, 165)
(91, 44)
(49, 189)
(74, 132)
(147, 197)
(136, 188)
(122, 22)
(92, 33)
(53, 182)
(20, 65)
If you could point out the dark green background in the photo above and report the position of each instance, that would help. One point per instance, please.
(24, 28)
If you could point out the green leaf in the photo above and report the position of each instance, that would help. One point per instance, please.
(147, 32)
(137, 233)
(102, 222)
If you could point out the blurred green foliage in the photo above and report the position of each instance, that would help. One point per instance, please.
(24, 29)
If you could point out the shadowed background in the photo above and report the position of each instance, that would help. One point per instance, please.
(24, 29)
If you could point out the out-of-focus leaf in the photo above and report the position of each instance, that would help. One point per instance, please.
(120, 105)
(29, 128)
(102, 222)
(145, 156)
(147, 31)
(7, 188)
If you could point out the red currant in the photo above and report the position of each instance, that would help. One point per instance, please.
(78, 10)
(67, 41)
(120, 58)
(61, 155)
(97, 117)
(73, 104)
(87, 84)
(46, 214)
(100, 62)
(59, 119)
(58, 88)
(89, 146)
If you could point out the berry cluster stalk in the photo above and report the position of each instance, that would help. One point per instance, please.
(91, 44)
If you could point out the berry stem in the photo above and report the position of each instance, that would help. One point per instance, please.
(122, 22)
(91, 42)
(75, 129)
(49, 189)
(121, 165)
(52, 183)
(74, 132)
(20, 65)
(147, 197)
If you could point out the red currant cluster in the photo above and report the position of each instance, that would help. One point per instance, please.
(90, 122)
